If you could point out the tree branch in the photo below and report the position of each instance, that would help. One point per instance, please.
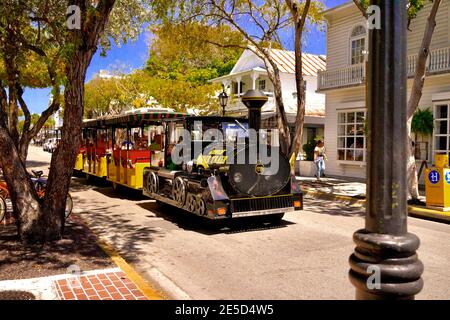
(361, 8)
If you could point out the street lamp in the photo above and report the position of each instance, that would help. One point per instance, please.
(223, 99)
(384, 264)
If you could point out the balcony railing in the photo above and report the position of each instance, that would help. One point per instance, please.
(343, 77)
(438, 62)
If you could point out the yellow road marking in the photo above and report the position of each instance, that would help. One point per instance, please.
(150, 292)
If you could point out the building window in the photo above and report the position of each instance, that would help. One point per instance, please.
(262, 85)
(441, 128)
(351, 144)
(358, 45)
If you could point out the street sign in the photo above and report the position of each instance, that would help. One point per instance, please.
(434, 177)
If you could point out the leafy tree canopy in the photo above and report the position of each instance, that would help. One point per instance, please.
(176, 74)
(185, 52)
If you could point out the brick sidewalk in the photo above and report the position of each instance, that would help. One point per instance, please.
(102, 286)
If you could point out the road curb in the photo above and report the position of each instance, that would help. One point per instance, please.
(144, 286)
(415, 211)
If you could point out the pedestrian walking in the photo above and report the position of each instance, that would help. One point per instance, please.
(319, 159)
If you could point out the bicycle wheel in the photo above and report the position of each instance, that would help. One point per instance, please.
(69, 206)
(2, 209)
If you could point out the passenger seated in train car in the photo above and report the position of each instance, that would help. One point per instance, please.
(101, 145)
(170, 164)
(82, 147)
(127, 145)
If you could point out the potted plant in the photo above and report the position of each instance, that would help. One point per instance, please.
(307, 166)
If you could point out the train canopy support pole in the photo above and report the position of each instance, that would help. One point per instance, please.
(384, 264)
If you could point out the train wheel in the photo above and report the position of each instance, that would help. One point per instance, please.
(116, 186)
(201, 206)
(179, 191)
(153, 183)
(2, 209)
(191, 202)
(69, 206)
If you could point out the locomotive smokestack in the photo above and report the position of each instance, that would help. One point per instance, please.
(254, 100)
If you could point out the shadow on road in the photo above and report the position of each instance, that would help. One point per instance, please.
(333, 208)
(113, 223)
(192, 222)
(31, 164)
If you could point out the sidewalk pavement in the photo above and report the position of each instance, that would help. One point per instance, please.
(352, 191)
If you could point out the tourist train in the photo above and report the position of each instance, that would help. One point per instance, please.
(136, 151)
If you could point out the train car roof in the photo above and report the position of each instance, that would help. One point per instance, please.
(132, 119)
(146, 118)
(210, 118)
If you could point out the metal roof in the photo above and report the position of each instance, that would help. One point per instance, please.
(285, 61)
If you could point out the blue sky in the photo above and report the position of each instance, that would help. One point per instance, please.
(133, 56)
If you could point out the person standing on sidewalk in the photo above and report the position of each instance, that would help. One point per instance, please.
(319, 159)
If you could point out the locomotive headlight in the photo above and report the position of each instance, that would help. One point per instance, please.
(237, 177)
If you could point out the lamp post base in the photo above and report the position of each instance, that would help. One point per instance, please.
(385, 266)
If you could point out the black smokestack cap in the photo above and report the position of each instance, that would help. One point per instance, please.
(254, 100)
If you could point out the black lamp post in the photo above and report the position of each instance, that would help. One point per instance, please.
(385, 264)
(223, 99)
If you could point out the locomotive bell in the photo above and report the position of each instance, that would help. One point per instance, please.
(254, 100)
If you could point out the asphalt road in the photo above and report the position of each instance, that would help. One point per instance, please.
(306, 257)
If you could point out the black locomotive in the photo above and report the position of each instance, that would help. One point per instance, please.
(206, 183)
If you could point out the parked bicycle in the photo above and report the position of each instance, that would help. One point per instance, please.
(39, 183)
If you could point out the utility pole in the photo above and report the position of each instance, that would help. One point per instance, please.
(384, 264)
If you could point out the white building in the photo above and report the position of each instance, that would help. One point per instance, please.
(250, 73)
(343, 83)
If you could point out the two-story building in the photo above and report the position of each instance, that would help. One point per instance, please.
(250, 72)
(343, 83)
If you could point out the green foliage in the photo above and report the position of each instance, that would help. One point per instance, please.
(423, 122)
(184, 52)
(176, 75)
(309, 147)
(414, 6)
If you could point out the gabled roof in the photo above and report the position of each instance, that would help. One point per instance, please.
(284, 59)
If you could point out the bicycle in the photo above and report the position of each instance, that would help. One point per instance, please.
(40, 185)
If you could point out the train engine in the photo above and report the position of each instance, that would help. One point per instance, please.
(223, 168)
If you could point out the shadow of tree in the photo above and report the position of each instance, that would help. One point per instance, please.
(36, 164)
(333, 208)
(77, 247)
(114, 223)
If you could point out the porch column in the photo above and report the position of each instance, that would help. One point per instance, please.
(238, 80)
(254, 77)
(385, 264)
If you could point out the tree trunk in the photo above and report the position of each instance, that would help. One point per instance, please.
(416, 95)
(282, 123)
(301, 95)
(64, 157)
(27, 208)
(413, 179)
(63, 160)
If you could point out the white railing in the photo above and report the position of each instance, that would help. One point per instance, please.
(438, 62)
(347, 76)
